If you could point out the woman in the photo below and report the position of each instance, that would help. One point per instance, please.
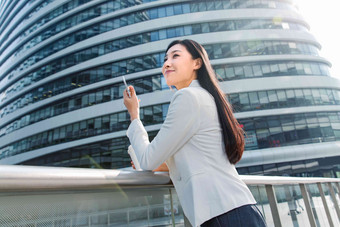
(199, 141)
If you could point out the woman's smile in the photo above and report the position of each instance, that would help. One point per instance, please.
(169, 71)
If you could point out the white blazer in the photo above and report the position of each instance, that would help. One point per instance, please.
(190, 142)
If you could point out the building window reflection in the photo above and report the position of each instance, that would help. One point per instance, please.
(111, 154)
(273, 99)
(86, 128)
(319, 167)
(155, 61)
(105, 8)
(285, 130)
(95, 51)
(261, 132)
(265, 99)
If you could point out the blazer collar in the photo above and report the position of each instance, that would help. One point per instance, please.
(194, 83)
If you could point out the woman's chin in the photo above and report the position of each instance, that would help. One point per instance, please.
(169, 83)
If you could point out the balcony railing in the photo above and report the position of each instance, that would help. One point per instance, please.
(60, 197)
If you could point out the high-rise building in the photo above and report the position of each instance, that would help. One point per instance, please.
(61, 63)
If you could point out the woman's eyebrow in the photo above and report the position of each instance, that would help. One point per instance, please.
(173, 52)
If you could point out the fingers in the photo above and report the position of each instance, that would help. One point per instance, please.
(126, 92)
(133, 166)
(132, 90)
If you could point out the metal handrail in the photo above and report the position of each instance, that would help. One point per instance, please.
(15, 177)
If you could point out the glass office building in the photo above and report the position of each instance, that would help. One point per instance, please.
(61, 63)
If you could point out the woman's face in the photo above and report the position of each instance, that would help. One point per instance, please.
(179, 69)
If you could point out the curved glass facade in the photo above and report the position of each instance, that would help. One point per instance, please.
(320, 167)
(52, 15)
(261, 100)
(67, 60)
(285, 98)
(273, 131)
(126, 42)
(146, 62)
(128, 19)
(135, 17)
(264, 132)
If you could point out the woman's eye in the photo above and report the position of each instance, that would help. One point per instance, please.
(174, 56)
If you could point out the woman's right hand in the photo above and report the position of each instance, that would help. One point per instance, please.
(131, 103)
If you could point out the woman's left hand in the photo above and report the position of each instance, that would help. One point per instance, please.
(162, 168)
(131, 103)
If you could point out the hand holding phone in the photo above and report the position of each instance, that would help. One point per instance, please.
(131, 101)
(127, 88)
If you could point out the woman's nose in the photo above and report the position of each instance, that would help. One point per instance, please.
(166, 64)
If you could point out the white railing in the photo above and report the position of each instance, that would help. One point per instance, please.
(54, 196)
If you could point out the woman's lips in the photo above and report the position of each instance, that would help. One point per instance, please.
(169, 71)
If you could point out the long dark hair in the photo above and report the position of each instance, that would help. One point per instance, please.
(233, 134)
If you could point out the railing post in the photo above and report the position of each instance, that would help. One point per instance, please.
(324, 202)
(128, 217)
(313, 206)
(148, 215)
(172, 209)
(273, 205)
(108, 219)
(307, 205)
(338, 186)
(291, 204)
(335, 202)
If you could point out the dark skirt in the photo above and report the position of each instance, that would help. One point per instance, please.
(244, 216)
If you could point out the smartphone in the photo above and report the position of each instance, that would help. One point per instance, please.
(127, 88)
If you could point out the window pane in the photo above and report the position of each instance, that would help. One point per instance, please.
(170, 11)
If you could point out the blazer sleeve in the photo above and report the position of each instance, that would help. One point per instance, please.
(180, 125)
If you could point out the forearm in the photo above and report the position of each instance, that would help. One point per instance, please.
(134, 115)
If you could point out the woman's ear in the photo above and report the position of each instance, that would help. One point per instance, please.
(198, 63)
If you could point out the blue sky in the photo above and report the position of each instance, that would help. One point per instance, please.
(323, 18)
